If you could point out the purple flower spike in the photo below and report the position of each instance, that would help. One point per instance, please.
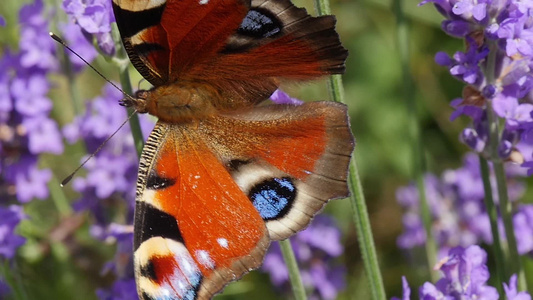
(43, 136)
(459, 217)
(32, 183)
(523, 225)
(122, 289)
(465, 276)
(10, 217)
(511, 290)
(30, 95)
(2, 21)
(94, 18)
(406, 295)
(315, 248)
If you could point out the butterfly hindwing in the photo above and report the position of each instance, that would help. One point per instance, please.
(195, 230)
(211, 195)
(289, 160)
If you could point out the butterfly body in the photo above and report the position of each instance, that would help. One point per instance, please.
(221, 176)
(178, 103)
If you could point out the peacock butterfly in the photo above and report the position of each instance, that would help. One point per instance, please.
(220, 175)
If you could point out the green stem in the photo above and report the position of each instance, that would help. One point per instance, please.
(357, 197)
(514, 266)
(414, 130)
(294, 272)
(58, 197)
(493, 217)
(364, 234)
(506, 213)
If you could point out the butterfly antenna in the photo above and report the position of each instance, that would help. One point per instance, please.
(62, 42)
(69, 177)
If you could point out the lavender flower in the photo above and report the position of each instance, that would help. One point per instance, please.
(111, 179)
(10, 217)
(122, 289)
(74, 36)
(315, 248)
(94, 18)
(406, 295)
(27, 131)
(464, 276)
(511, 290)
(112, 172)
(499, 32)
(122, 265)
(456, 203)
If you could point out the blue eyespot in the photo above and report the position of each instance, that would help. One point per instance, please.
(259, 24)
(273, 197)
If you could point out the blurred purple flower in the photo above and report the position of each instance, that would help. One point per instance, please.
(94, 17)
(26, 129)
(406, 295)
(511, 290)
(32, 183)
(43, 135)
(78, 42)
(523, 226)
(122, 264)
(10, 217)
(122, 289)
(112, 173)
(2, 21)
(280, 97)
(30, 94)
(314, 248)
(464, 276)
(456, 202)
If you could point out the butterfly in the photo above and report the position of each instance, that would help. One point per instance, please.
(222, 175)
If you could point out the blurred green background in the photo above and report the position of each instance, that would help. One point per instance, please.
(375, 92)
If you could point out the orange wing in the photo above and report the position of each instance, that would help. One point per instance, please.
(194, 230)
(211, 195)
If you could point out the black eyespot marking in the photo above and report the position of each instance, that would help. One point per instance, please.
(146, 297)
(146, 48)
(132, 22)
(273, 197)
(155, 182)
(260, 23)
(148, 271)
(152, 222)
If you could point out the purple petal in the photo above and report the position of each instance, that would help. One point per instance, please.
(280, 97)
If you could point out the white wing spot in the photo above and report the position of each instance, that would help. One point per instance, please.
(165, 292)
(223, 242)
(202, 2)
(203, 257)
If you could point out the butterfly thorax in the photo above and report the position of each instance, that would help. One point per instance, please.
(177, 103)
